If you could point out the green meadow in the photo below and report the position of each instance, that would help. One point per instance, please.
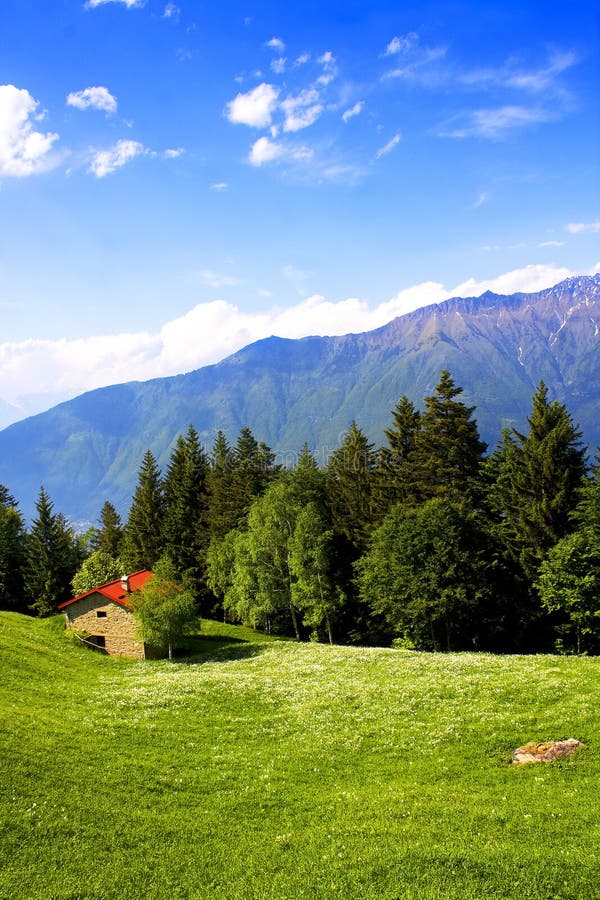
(261, 768)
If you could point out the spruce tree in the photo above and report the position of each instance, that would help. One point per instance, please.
(536, 478)
(109, 536)
(143, 537)
(186, 512)
(350, 487)
(393, 478)
(51, 558)
(222, 510)
(236, 477)
(447, 453)
(253, 470)
(12, 552)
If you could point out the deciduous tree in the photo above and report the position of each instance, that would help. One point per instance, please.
(166, 613)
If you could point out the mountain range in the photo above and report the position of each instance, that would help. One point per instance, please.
(497, 348)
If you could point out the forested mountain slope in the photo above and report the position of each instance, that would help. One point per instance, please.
(291, 391)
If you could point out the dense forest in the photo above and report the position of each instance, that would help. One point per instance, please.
(427, 542)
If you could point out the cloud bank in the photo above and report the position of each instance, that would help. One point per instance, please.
(35, 374)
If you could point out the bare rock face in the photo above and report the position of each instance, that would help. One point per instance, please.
(546, 751)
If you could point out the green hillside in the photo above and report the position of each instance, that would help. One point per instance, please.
(266, 769)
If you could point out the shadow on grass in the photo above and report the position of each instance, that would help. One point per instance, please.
(205, 648)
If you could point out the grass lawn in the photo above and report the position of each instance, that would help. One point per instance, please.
(259, 768)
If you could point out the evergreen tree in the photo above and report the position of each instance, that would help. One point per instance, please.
(253, 470)
(143, 538)
(51, 558)
(12, 553)
(308, 483)
(447, 453)
(393, 475)
(350, 487)
(222, 510)
(109, 536)
(237, 476)
(186, 512)
(535, 479)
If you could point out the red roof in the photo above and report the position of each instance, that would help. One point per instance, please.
(115, 591)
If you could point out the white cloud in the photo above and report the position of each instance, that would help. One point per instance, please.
(254, 108)
(275, 44)
(532, 81)
(94, 98)
(353, 111)
(302, 59)
(173, 152)
(171, 11)
(263, 151)
(210, 331)
(302, 110)
(482, 197)
(278, 65)
(580, 227)
(551, 244)
(104, 162)
(393, 142)
(219, 186)
(130, 4)
(330, 69)
(401, 44)
(495, 123)
(528, 280)
(417, 67)
(23, 151)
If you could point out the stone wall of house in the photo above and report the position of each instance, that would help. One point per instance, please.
(117, 627)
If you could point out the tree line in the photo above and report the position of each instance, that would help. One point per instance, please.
(427, 541)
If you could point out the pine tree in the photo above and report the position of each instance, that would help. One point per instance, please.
(253, 470)
(143, 538)
(51, 558)
(535, 481)
(237, 476)
(350, 487)
(222, 511)
(186, 512)
(109, 536)
(447, 454)
(12, 552)
(393, 477)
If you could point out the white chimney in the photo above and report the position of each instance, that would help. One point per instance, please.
(125, 584)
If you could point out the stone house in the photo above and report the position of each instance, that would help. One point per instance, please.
(104, 616)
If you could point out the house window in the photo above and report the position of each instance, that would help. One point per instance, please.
(98, 639)
(101, 613)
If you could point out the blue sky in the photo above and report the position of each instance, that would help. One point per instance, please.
(180, 178)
